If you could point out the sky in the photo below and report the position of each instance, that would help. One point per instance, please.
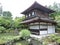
(18, 6)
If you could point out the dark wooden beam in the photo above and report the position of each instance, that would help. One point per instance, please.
(39, 27)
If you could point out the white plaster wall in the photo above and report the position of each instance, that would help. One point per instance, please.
(43, 32)
(37, 27)
(43, 27)
(34, 27)
(51, 29)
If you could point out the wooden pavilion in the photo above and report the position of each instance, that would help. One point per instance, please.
(38, 20)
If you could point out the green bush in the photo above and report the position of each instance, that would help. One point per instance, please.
(9, 30)
(58, 30)
(51, 38)
(2, 29)
(25, 34)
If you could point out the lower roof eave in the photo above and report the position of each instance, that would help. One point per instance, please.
(36, 19)
(24, 22)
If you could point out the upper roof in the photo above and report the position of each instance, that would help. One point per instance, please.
(36, 5)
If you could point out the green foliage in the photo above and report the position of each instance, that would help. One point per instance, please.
(25, 33)
(58, 40)
(22, 42)
(2, 29)
(16, 23)
(55, 38)
(8, 23)
(7, 37)
(6, 19)
(46, 40)
(5, 22)
(56, 14)
(52, 38)
(7, 14)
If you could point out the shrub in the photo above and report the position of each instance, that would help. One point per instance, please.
(2, 29)
(58, 41)
(25, 34)
(58, 30)
(51, 38)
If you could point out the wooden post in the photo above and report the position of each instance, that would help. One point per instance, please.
(39, 26)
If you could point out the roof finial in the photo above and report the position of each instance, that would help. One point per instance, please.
(35, 1)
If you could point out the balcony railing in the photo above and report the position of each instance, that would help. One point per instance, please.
(29, 18)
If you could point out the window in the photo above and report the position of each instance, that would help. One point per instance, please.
(33, 13)
(26, 16)
(29, 15)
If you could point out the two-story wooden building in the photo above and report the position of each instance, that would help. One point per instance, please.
(38, 20)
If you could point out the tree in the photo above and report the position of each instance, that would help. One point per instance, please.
(16, 23)
(7, 14)
(6, 23)
(56, 14)
(56, 8)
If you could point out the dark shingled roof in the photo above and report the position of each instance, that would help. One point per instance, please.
(36, 5)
